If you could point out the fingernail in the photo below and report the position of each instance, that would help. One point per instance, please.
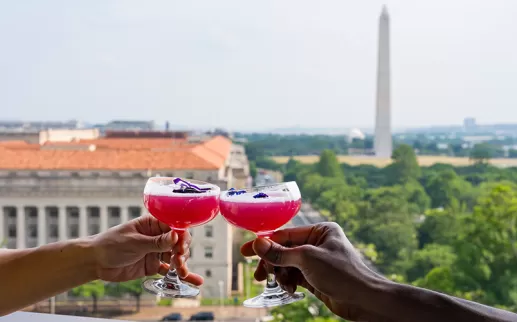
(182, 260)
(173, 237)
(185, 246)
(261, 246)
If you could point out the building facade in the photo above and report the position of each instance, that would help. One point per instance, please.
(44, 198)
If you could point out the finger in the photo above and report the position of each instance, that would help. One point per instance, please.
(163, 269)
(183, 244)
(247, 249)
(182, 271)
(279, 255)
(152, 226)
(152, 264)
(295, 236)
(289, 277)
(194, 279)
(260, 271)
(165, 257)
(158, 244)
(180, 260)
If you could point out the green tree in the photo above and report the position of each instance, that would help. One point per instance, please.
(440, 226)
(439, 279)
(446, 188)
(481, 153)
(428, 258)
(405, 166)
(328, 165)
(309, 309)
(487, 248)
(253, 169)
(512, 153)
(267, 163)
(385, 221)
(133, 288)
(417, 198)
(94, 289)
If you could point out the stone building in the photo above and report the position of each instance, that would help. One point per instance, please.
(48, 193)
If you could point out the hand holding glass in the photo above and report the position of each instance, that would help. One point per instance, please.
(263, 210)
(181, 204)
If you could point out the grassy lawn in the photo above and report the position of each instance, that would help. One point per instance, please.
(424, 160)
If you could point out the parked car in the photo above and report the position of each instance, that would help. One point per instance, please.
(173, 317)
(203, 316)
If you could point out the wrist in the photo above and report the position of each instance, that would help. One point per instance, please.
(86, 255)
(377, 295)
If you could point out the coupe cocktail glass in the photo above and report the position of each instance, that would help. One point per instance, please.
(262, 210)
(181, 204)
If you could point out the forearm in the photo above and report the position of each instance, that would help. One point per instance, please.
(31, 275)
(400, 302)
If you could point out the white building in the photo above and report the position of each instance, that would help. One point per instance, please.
(49, 194)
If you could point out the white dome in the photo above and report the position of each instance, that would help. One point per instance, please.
(356, 134)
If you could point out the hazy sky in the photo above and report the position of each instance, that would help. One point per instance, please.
(256, 64)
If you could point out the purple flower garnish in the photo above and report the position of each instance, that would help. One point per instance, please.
(233, 192)
(260, 195)
(187, 187)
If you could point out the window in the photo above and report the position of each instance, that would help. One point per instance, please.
(209, 252)
(33, 230)
(113, 216)
(53, 230)
(12, 231)
(74, 230)
(94, 229)
(209, 231)
(208, 273)
(134, 212)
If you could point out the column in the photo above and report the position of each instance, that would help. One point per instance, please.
(124, 214)
(3, 235)
(83, 221)
(103, 214)
(61, 223)
(20, 227)
(42, 226)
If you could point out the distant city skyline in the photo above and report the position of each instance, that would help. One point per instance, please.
(256, 66)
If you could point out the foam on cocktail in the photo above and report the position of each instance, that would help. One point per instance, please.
(275, 193)
(165, 187)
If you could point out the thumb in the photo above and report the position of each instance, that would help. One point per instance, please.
(160, 243)
(276, 254)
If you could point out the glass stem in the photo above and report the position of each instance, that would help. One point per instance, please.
(172, 276)
(271, 281)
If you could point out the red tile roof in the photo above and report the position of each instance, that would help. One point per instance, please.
(118, 154)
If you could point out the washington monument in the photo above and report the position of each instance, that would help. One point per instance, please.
(383, 140)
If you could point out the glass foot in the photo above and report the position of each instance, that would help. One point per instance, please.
(273, 297)
(162, 288)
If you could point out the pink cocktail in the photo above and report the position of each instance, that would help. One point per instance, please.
(262, 218)
(263, 210)
(180, 204)
(187, 211)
